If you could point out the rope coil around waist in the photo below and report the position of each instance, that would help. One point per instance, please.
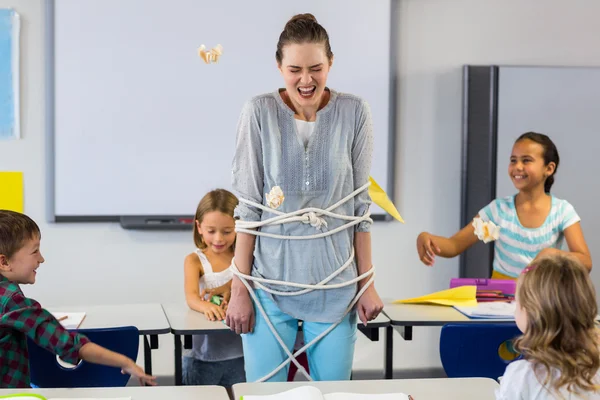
(314, 217)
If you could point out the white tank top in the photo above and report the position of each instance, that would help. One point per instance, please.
(305, 130)
(210, 279)
(218, 346)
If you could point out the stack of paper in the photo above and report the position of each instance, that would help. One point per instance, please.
(458, 296)
(312, 393)
(491, 310)
(70, 320)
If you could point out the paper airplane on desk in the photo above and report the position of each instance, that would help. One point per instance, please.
(380, 198)
(459, 296)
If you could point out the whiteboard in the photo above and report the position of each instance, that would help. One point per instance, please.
(563, 103)
(140, 125)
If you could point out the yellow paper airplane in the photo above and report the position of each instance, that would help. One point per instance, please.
(380, 198)
(459, 296)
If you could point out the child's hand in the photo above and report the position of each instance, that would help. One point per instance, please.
(134, 370)
(214, 312)
(427, 249)
(223, 291)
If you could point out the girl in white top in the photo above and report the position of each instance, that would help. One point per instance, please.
(556, 311)
(215, 359)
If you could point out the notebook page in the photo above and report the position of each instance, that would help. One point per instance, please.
(73, 319)
(358, 396)
(299, 393)
(500, 310)
(89, 398)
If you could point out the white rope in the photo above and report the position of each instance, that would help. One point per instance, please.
(312, 216)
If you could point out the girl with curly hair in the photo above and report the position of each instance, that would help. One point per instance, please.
(556, 311)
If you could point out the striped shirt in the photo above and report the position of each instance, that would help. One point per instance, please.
(517, 245)
(335, 162)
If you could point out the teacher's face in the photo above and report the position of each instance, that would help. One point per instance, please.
(304, 68)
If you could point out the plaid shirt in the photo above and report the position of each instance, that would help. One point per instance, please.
(21, 317)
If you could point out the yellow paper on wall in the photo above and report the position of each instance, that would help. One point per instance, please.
(465, 296)
(11, 191)
(380, 198)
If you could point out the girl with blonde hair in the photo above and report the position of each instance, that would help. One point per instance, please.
(556, 311)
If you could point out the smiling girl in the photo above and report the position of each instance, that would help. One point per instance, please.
(533, 222)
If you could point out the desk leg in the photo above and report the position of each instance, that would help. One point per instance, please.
(371, 333)
(147, 356)
(389, 352)
(178, 362)
(406, 332)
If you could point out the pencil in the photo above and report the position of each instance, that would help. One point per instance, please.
(62, 318)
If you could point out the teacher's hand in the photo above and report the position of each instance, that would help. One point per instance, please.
(240, 312)
(369, 305)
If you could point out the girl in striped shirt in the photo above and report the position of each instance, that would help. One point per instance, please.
(533, 223)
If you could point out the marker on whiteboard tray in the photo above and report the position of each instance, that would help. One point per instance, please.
(170, 221)
(160, 221)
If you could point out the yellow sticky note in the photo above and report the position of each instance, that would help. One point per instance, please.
(11, 191)
(380, 198)
(459, 296)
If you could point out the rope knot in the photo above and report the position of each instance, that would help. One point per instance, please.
(314, 221)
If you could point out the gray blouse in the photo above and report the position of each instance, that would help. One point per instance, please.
(336, 161)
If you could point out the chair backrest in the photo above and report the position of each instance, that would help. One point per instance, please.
(475, 350)
(46, 372)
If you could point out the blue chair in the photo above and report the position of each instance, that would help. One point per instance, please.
(475, 350)
(46, 372)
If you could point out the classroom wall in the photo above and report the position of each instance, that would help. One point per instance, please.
(103, 264)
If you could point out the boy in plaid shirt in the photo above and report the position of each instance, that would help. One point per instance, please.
(21, 317)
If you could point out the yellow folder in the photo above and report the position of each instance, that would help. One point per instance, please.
(380, 198)
(11, 191)
(465, 296)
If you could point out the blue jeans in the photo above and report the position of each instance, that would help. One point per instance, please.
(329, 359)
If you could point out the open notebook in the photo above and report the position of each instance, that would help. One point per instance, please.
(491, 310)
(70, 320)
(312, 393)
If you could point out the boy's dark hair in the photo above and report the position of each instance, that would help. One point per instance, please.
(550, 153)
(15, 230)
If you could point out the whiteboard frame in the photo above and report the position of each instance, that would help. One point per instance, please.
(138, 222)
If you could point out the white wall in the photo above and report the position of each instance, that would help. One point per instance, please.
(86, 261)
